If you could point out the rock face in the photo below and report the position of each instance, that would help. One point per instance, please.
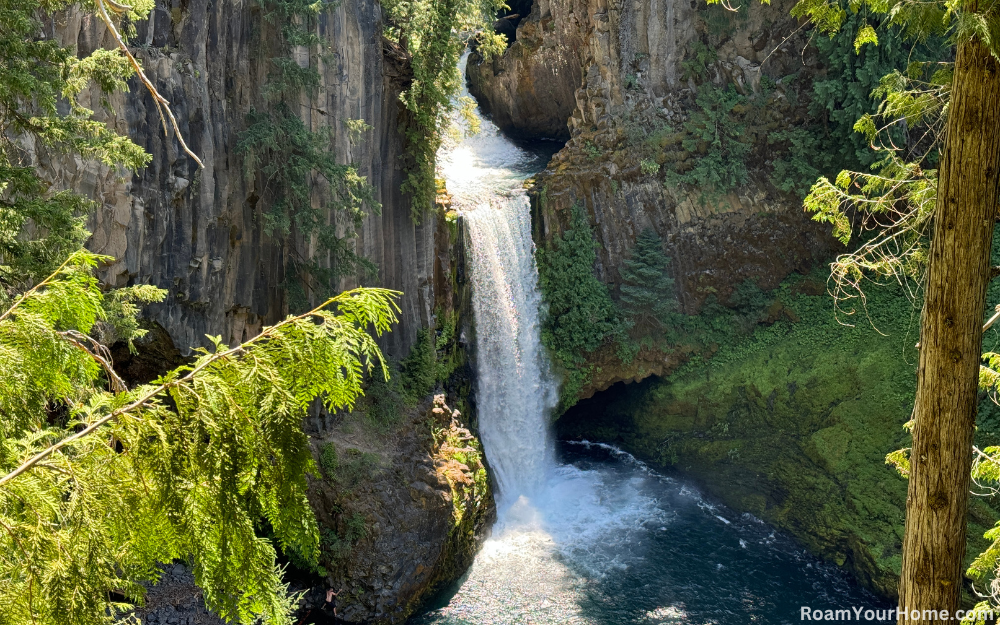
(530, 91)
(629, 68)
(392, 539)
(199, 233)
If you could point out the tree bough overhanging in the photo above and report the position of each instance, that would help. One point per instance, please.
(41, 89)
(956, 209)
(185, 467)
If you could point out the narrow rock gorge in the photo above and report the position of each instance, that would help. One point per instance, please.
(681, 118)
(623, 386)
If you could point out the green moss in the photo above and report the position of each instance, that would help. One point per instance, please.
(793, 423)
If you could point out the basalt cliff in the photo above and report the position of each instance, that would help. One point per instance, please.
(399, 515)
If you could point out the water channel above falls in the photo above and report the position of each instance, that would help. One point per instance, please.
(585, 533)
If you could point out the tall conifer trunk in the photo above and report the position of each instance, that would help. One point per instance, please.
(951, 340)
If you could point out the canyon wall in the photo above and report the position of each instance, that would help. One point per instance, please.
(628, 66)
(389, 538)
(199, 233)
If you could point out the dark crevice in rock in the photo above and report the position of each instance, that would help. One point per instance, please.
(155, 355)
(599, 415)
(509, 18)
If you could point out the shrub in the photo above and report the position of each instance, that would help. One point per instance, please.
(649, 167)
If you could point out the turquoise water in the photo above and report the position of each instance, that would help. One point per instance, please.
(610, 542)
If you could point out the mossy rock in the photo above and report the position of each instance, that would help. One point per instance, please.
(792, 424)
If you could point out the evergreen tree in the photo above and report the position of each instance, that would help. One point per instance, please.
(100, 483)
(580, 314)
(959, 202)
(647, 290)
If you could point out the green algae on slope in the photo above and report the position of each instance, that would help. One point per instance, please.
(792, 424)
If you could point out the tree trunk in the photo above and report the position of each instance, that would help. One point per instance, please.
(951, 342)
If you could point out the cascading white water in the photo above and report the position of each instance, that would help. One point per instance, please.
(595, 541)
(515, 392)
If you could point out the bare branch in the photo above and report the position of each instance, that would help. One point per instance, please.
(99, 352)
(161, 103)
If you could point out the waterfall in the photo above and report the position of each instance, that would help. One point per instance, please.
(594, 537)
(515, 393)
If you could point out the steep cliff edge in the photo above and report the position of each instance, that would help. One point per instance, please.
(412, 520)
(680, 122)
(404, 506)
(200, 234)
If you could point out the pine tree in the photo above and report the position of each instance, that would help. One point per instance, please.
(580, 313)
(647, 290)
(100, 483)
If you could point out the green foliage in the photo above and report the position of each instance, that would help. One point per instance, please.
(916, 21)
(801, 162)
(419, 368)
(41, 85)
(896, 201)
(580, 315)
(187, 466)
(338, 545)
(121, 313)
(432, 359)
(722, 21)
(697, 61)
(328, 460)
(385, 399)
(429, 32)
(294, 165)
(649, 167)
(457, 444)
(647, 290)
(716, 132)
(848, 92)
(349, 468)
